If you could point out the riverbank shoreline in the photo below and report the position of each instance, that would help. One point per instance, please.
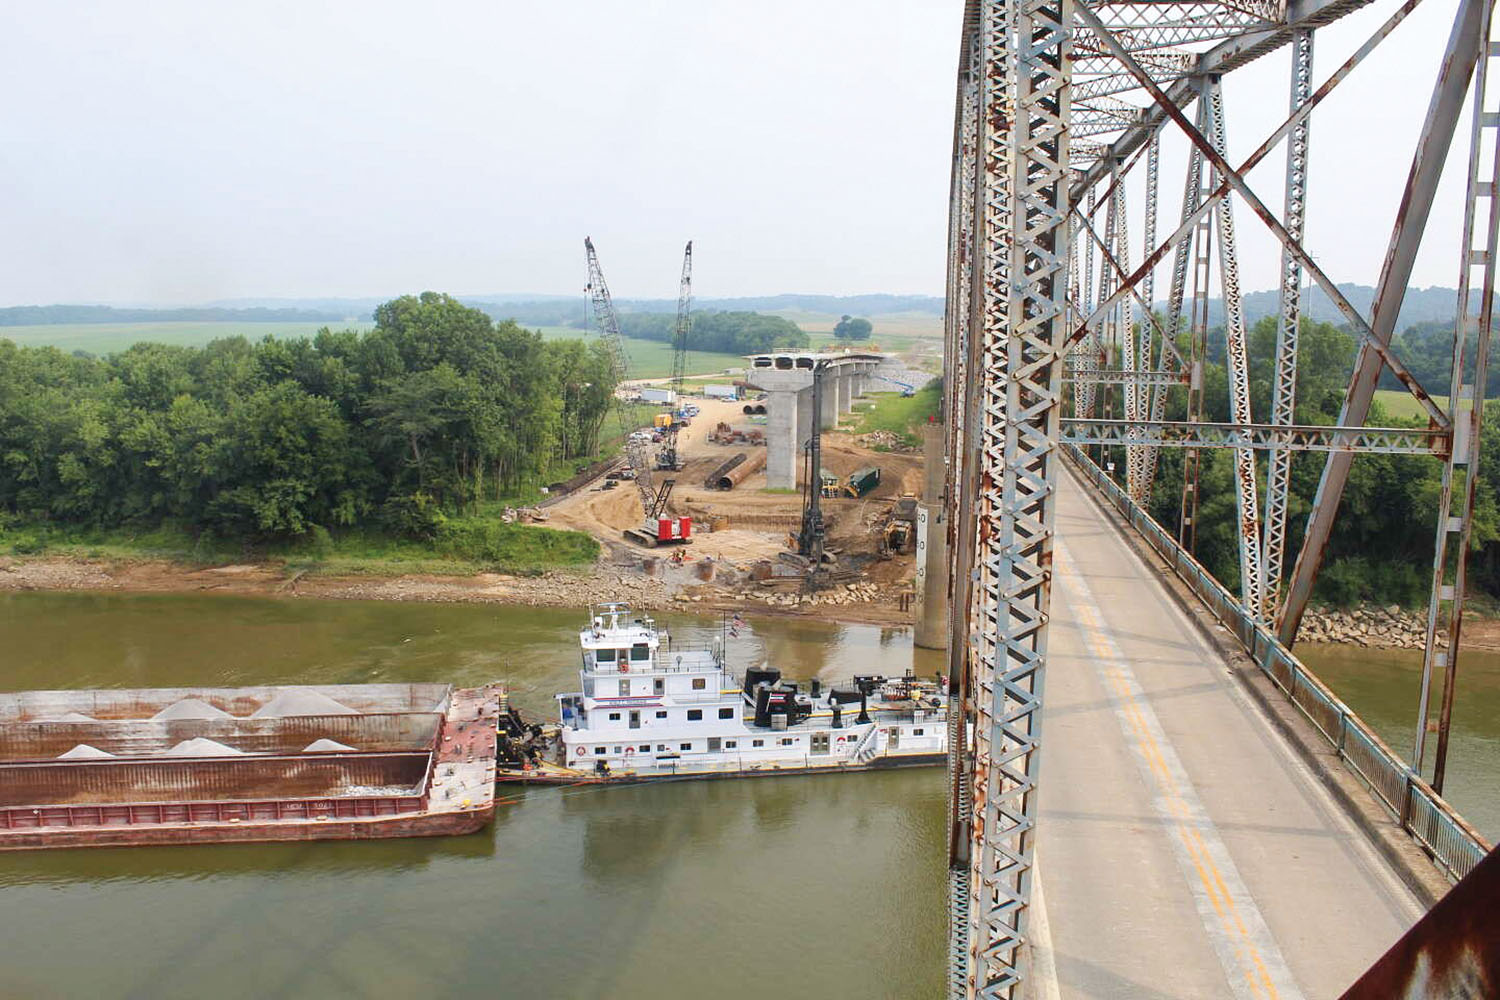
(675, 591)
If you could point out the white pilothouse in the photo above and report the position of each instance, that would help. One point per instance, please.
(648, 709)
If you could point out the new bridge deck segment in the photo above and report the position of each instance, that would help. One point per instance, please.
(1186, 850)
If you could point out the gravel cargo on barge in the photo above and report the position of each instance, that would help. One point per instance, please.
(211, 765)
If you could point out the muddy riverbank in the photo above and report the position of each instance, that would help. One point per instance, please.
(670, 587)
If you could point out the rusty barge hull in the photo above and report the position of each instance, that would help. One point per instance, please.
(196, 766)
(417, 825)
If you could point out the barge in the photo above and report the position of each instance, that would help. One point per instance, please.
(648, 710)
(109, 768)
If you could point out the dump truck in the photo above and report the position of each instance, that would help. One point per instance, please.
(862, 482)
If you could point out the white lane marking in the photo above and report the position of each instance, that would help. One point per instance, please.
(1375, 865)
(1253, 965)
(1043, 958)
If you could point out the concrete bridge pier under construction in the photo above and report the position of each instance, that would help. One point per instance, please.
(787, 381)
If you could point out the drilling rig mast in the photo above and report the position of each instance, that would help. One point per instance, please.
(667, 458)
(658, 529)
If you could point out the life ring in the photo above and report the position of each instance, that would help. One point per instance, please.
(624, 667)
(629, 751)
(841, 739)
(583, 751)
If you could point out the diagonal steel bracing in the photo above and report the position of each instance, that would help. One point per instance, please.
(1464, 44)
(1476, 271)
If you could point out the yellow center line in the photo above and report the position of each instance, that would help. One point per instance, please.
(1244, 946)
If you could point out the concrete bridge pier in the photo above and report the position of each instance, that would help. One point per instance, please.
(783, 442)
(930, 608)
(787, 381)
(828, 413)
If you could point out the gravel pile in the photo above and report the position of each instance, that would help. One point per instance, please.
(189, 708)
(300, 701)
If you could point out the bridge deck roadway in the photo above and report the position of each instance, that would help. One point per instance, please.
(1185, 849)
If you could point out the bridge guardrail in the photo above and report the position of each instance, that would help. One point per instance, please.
(1453, 844)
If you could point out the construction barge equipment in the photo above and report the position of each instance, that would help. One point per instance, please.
(110, 768)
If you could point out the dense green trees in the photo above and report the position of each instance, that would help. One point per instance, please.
(724, 332)
(1381, 548)
(434, 409)
(852, 328)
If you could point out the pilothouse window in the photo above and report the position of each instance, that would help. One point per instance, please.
(640, 651)
(604, 655)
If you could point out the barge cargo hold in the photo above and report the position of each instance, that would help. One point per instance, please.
(109, 768)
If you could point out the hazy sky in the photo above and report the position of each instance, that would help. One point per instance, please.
(182, 152)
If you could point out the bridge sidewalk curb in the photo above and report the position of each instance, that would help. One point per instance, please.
(1406, 858)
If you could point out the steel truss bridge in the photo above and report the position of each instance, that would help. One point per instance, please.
(1061, 108)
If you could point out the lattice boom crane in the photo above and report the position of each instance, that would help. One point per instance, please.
(668, 458)
(658, 529)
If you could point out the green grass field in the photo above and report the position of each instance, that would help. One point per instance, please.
(648, 358)
(1400, 405)
(652, 358)
(895, 332)
(108, 338)
(901, 415)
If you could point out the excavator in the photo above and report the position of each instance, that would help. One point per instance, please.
(658, 527)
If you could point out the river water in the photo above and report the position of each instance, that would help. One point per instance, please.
(828, 886)
(798, 886)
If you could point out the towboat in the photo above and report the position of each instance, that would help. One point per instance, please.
(648, 709)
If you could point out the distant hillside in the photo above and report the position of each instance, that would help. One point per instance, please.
(1421, 305)
(569, 312)
(56, 315)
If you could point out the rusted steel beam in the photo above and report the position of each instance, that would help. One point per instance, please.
(1236, 181)
(1284, 395)
(1452, 952)
(1292, 122)
(1464, 44)
(1260, 437)
(1222, 58)
(1445, 604)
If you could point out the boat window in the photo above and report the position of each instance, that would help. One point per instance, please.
(685, 746)
(695, 715)
(786, 742)
(726, 713)
(661, 746)
(640, 651)
(757, 743)
(598, 750)
(661, 715)
(644, 748)
(604, 655)
(614, 716)
(730, 744)
(699, 683)
(917, 732)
